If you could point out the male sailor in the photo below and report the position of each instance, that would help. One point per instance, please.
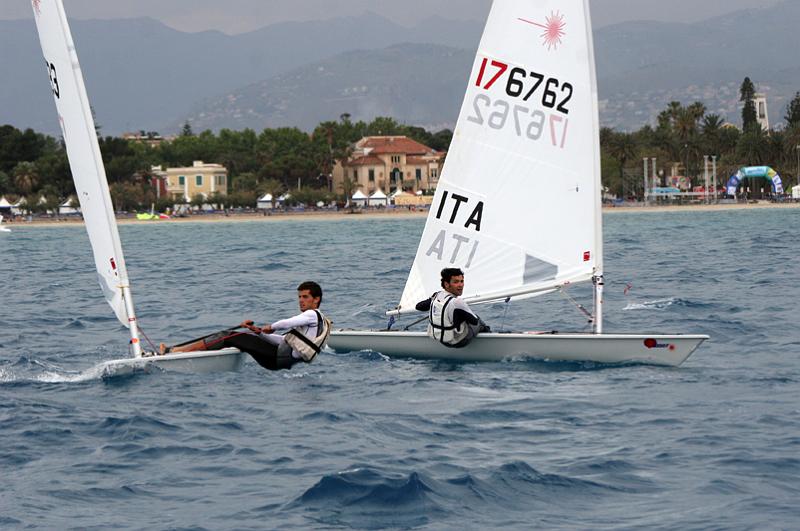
(450, 320)
(304, 335)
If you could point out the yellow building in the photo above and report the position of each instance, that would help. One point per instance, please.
(390, 163)
(182, 184)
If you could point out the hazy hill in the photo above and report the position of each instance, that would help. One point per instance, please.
(143, 75)
(421, 84)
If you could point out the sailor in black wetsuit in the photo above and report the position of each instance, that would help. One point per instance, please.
(450, 320)
(305, 335)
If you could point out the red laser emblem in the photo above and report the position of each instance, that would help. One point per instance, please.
(553, 29)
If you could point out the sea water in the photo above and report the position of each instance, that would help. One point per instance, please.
(360, 440)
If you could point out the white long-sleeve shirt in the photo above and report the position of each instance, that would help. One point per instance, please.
(305, 323)
(307, 319)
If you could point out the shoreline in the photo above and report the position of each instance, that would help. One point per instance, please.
(373, 215)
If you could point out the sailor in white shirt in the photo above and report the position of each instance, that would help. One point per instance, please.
(308, 324)
(305, 335)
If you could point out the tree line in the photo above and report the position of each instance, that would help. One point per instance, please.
(34, 165)
(684, 134)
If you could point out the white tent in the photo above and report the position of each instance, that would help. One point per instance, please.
(359, 199)
(4, 202)
(66, 207)
(264, 202)
(378, 198)
(18, 208)
(398, 193)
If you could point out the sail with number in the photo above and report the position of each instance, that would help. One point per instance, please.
(518, 203)
(83, 151)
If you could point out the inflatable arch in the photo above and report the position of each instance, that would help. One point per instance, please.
(755, 172)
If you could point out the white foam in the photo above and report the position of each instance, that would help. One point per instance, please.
(54, 374)
(659, 304)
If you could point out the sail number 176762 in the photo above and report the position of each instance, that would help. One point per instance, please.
(538, 103)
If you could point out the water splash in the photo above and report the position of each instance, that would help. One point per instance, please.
(34, 371)
(659, 304)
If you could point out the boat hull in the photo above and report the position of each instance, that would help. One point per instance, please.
(669, 350)
(209, 361)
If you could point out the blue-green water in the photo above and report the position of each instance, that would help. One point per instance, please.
(360, 440)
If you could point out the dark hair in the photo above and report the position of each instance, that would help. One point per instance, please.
(313, 287)
(450, 272)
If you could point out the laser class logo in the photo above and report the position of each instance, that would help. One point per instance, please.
(553, 29)
(652, 343)
(37, 6)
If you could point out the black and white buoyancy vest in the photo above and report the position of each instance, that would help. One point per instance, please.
(440, 320)
(306, 346)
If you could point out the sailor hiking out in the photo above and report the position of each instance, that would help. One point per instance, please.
(302, 339)
(450, 320)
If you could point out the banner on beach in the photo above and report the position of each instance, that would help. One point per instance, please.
(755, 172)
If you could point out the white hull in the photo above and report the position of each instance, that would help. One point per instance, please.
(671, 350)
(229, 359)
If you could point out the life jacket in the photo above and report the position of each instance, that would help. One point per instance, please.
(310, 347)
(440, 320)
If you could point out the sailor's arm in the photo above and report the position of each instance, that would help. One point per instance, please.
(307, 318)
(423, 306)
(460, 316)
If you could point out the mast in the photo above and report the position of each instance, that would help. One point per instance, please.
(85, 159)
(598, 211)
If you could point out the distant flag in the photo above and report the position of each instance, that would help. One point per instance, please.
(628, 287)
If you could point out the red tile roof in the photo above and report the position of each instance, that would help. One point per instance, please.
(365, 161)
(394, 144)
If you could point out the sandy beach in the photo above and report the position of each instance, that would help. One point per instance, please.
(251, 217)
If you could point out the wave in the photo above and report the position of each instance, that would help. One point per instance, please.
(368, 497)
(275, 266)
(663, 304)
(364, 497)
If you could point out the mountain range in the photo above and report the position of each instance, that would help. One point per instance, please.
(143, 75)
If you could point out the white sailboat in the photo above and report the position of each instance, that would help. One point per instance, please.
(78, 129)
(2, 228)
(518, 205)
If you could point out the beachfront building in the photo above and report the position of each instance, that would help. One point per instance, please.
(182, 184)
(389, 164)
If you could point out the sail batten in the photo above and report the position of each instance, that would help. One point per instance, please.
(83, 151)
(517, 206)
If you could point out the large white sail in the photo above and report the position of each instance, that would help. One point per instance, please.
(86, 163)
(518, 203)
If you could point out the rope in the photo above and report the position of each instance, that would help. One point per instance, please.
(580, 307)
(416, 322)
(505, 312)
(148, 339)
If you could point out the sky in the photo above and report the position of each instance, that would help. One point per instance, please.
(239, 16)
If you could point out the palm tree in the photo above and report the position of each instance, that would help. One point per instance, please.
(710, 130)
(753, 146)
(26, 178)
(622, 148)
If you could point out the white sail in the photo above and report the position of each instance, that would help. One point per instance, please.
(78, 128)
(518, 203)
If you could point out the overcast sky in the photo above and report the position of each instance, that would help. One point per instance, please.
(237, 16)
